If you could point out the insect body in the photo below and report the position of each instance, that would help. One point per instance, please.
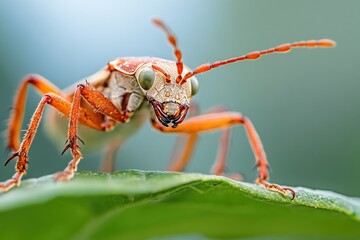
(120, 97)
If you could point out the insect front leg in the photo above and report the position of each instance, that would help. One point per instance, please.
(63, 106)
(213, 121)
(21, 150)
(101, 105)
(43, 86)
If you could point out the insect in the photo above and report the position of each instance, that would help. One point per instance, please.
(112, 104)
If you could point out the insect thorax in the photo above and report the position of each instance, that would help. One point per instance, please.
(124, 92)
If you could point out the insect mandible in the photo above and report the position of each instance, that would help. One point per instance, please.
(120, 97)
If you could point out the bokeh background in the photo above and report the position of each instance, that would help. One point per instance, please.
(305, 104)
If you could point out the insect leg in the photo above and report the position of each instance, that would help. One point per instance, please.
(22, 153)
(86, 117)
(218, 167)
(102, 105)
(213, 121)
(43, 86)
(108, 162)
(184, 146)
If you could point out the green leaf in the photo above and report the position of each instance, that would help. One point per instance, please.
(138, 205)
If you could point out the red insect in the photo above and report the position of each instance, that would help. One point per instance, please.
(119, 98)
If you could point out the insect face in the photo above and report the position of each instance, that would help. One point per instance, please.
(169, 99)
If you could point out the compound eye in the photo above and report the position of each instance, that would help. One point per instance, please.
(194, 86)
(146, 78)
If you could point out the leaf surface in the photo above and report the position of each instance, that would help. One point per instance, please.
(139, 205)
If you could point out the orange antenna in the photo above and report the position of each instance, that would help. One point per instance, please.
(283, 48)
(172, 40)
(163, 72)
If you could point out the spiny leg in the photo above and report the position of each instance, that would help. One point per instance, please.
(88, 118)
(102, 105)
(72, 140)
(43, 86)
(212, 121)
(60, 102)
(22, 153)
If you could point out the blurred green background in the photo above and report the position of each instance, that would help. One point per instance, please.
(305, 104)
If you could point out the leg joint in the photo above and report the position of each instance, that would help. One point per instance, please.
(31, 79)
(156, 125)
(245, 119)
(47, 98)
(81, 86)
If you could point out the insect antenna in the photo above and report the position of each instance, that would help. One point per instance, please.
(172, 40)
(283, 48)
(163, 72)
